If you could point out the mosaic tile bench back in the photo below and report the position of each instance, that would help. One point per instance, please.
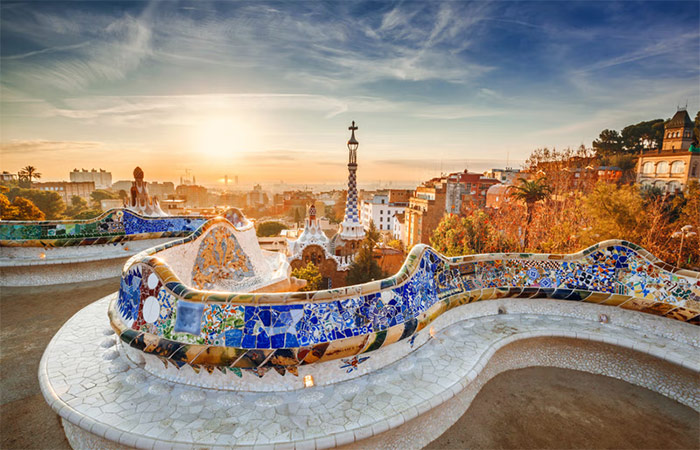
(159, 315)
(113, 226)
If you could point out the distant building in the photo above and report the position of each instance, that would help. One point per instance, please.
(671, 167)
(506, 176)
(466, 189)
(67, 189)
(398, 229)
(382, 207)
(425, 210)
(161, 190)
(455, 193)
(497, 195)
(7, 176)
(194, 195)
(389, 259)
(101, 178)
(122, 185)
(273, 243)
(256, 198)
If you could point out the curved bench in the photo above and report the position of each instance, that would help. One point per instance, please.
(234, 331)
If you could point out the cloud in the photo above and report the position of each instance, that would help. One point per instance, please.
(38, 146)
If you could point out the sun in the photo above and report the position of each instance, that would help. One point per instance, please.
(222, 138)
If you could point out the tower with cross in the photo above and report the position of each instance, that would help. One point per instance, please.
(351, 228)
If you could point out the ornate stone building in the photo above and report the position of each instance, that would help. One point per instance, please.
(677, 162)
(332, 256)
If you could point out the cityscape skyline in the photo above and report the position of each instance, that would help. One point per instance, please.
(267, 90)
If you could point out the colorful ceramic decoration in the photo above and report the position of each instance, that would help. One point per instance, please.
(115, 225)
(281, 331)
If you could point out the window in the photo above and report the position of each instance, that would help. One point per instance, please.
(695, 170)
(662, 167)
(678, 167)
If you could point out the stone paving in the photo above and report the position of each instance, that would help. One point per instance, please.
(90, 384)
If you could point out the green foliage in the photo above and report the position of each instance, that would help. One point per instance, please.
(88, 214)
(49, 202)
(396, 244)
(632, 139)
(312, 276)
(26, 175)
(270, 229)
(329, 213)
(608, 143)
(365, 268)
(696, 129)
(643, 135)
(101, 194)
(614, 213)
(475, 233)
(77, 206)
(20, 209)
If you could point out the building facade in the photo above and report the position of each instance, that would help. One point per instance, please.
(382, 208)
(425, 210)
(101, 178)
(67, 189)
(671, 167)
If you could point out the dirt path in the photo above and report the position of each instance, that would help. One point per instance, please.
(29, 317)
(550, 408)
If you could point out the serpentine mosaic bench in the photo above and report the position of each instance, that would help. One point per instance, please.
(113, 226)
(193, 311)
(200, 349)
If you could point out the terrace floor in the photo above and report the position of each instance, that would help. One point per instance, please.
(542, 407)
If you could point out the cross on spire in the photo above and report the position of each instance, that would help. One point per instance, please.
(352, 127)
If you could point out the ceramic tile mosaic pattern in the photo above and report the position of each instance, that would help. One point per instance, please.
(282, 331)
(113, 226)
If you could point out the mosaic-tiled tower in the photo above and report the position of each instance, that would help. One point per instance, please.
(351, 228)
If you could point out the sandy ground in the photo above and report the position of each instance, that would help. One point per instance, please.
(551, 408)
(29, 317)
(528, 408)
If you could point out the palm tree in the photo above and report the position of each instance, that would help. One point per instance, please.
(531, 192)
(28, 174)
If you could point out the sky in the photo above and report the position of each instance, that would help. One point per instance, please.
(266, 90)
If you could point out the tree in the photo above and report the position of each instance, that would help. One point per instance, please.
(88, 214)
(329, 213)
(77, 206)
(27, 174)
(474, 233)
(123, 195)
(270, 229)
(20, 209)
(339, 206)
(101, 194)
(309, 273)
(608, 143)
(696, 129)
(643, 135)
(530, 192)
(49, 202)
(297, 216)
(397, 244)
(365, 268)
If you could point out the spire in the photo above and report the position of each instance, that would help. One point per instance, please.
(351, 227)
